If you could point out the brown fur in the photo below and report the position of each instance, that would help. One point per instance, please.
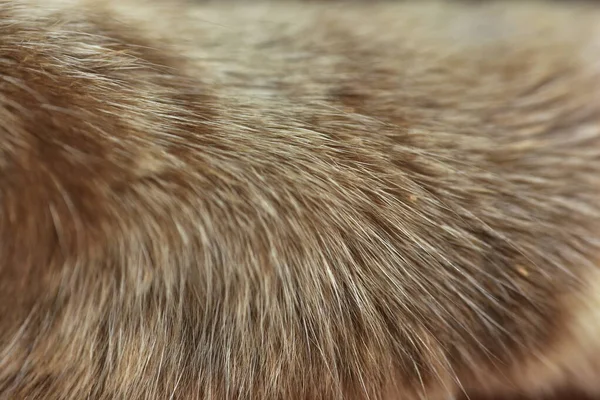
(285, 201)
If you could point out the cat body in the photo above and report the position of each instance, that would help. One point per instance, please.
(298, 201)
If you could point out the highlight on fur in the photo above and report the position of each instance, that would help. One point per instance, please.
(298, 201)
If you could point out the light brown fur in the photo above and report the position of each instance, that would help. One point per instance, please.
(291, 201)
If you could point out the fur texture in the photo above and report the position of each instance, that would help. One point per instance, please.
(291, 201)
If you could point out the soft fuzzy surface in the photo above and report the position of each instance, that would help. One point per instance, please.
(295, 201)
